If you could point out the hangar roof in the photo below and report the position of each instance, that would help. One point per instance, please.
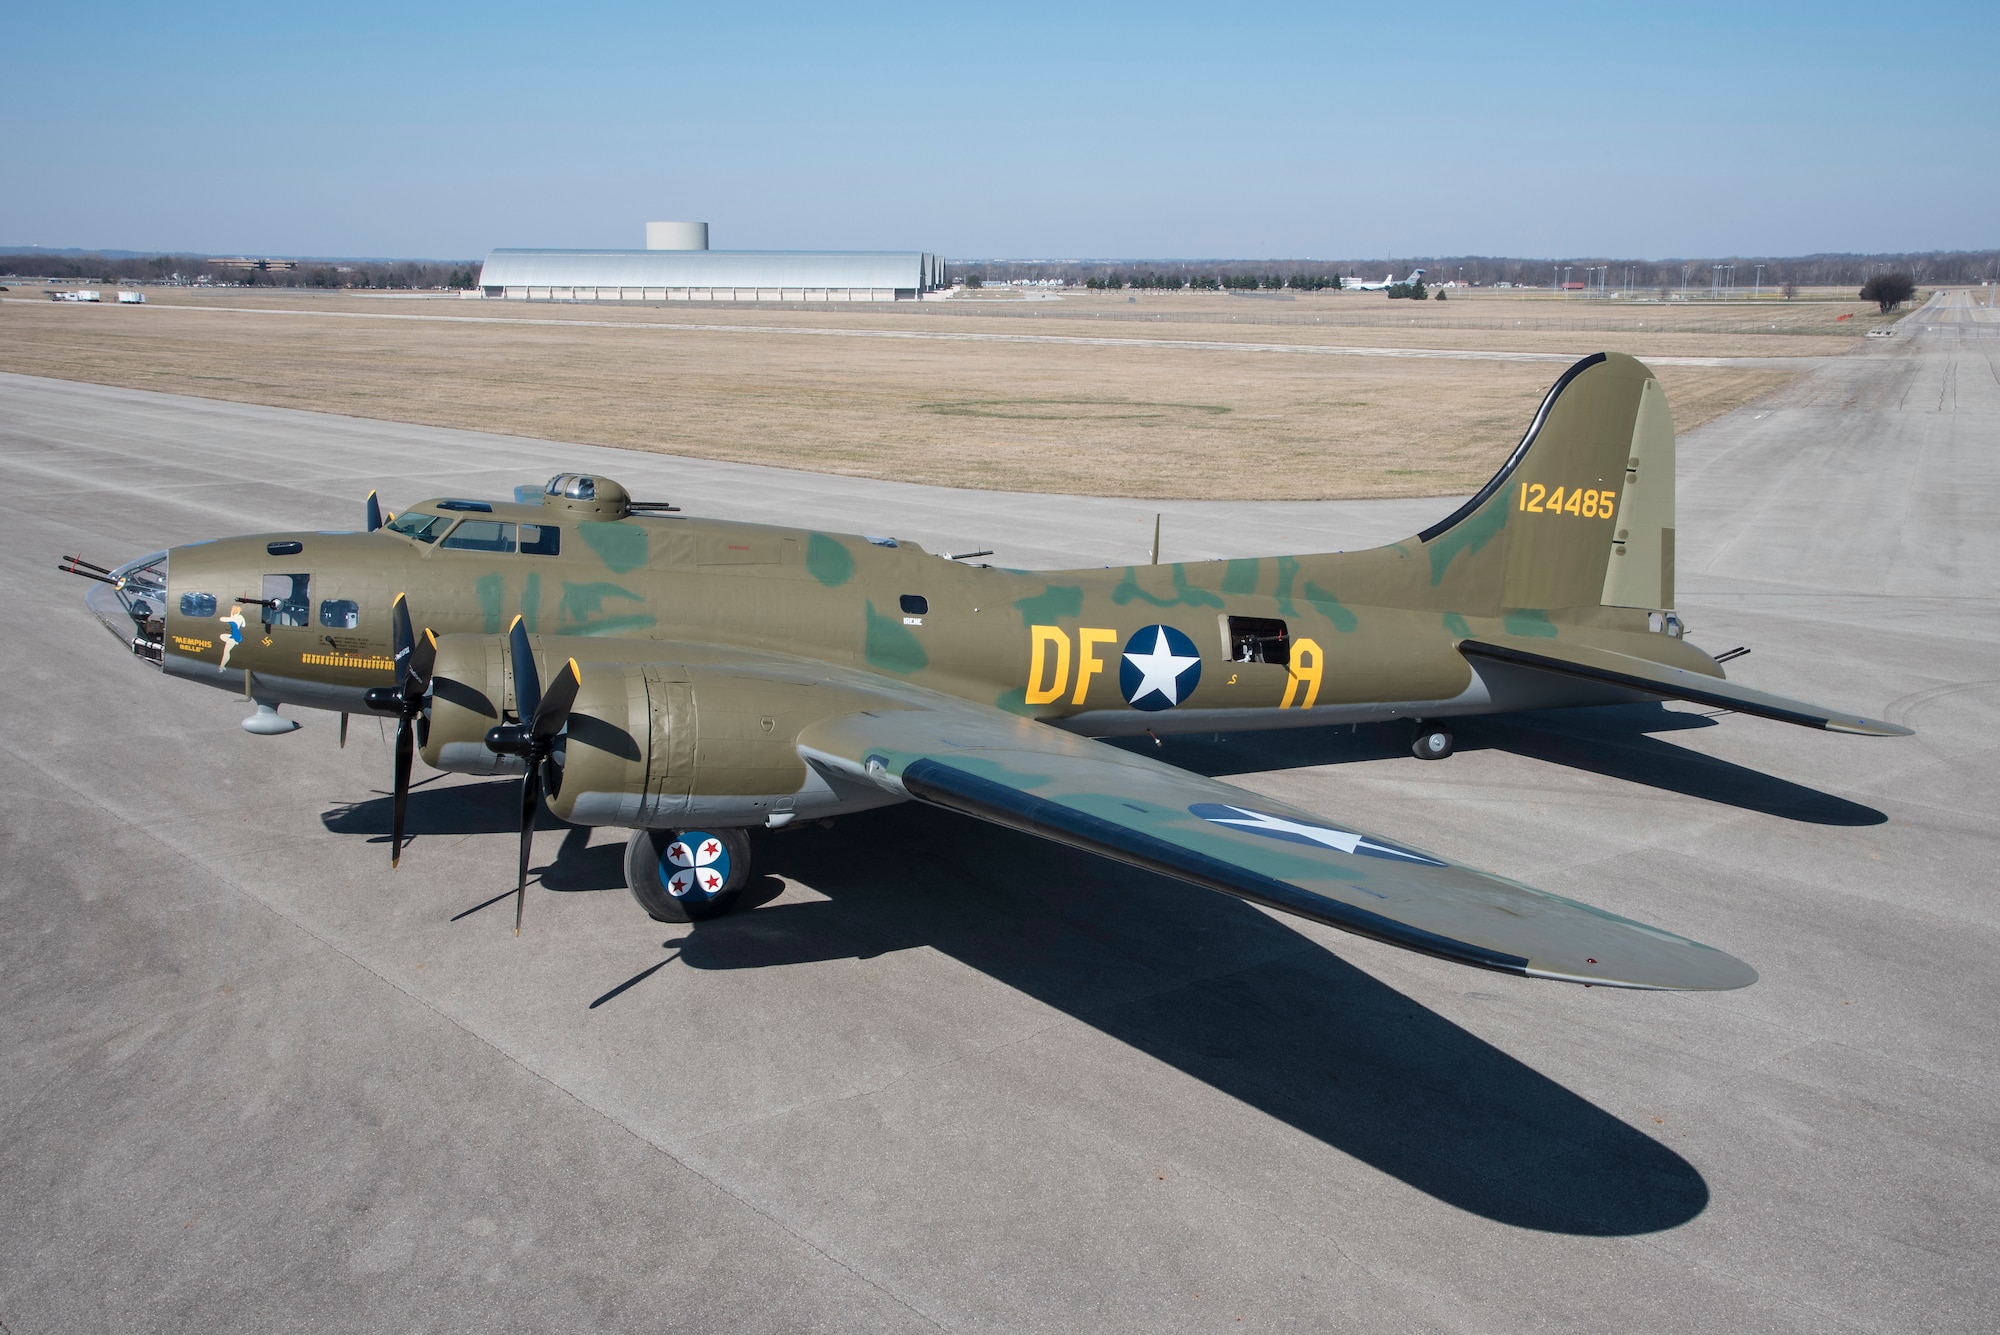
(704, 268)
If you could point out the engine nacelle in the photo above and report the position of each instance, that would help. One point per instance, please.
(470, 686)
(648, 743)
(671, 745)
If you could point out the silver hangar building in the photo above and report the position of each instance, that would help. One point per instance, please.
(677, 265)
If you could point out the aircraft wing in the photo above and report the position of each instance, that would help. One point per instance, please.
(1639, 674)
(1134, 809)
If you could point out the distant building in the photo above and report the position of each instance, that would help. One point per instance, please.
(274, 266)
(678, 266)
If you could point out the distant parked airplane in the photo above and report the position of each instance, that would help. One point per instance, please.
(1361, 285)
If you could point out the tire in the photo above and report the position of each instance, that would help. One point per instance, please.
(1432, 743)
(666, 871)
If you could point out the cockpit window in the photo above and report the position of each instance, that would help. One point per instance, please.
(288, 600)
(481, 535)
(541, 539)
(422, 527)
(340, 613)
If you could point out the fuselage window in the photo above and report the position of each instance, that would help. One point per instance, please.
(287, 600)
(541, 539)
(915, 604)
(200, 605)
(424, 528)
(340, 613)
(1259, 640)
(481, 535)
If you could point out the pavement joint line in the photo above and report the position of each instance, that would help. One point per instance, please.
(908, 1072)
(1068, 340)
(1833, 1318)
(115, 813)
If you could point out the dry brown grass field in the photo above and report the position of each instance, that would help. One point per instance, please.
(763, 384)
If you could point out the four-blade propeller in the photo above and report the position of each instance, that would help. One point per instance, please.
(415, 657)
(542, 715)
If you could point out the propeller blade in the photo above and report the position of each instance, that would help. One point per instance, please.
(414, 660)
(343, 730)
(553, 712)
(531, 803)
(374, 510)
(423, 659)
(527, 682)
(405, 746)
(403, 639)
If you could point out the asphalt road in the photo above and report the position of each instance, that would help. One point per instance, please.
(947, 1077)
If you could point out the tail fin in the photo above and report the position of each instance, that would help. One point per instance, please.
(1582, 513)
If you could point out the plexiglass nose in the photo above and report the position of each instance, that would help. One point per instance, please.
(131, 601)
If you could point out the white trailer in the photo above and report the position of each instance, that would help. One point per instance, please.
(131, 298)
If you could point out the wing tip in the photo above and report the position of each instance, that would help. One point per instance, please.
(1718, 973)
(1869, 727)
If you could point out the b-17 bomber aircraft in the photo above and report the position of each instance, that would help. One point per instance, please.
(692, 679)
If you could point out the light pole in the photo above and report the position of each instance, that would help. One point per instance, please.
(1760, 283)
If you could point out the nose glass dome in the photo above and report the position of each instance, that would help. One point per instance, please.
(132, 603)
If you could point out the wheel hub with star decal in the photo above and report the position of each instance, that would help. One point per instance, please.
(687, 875)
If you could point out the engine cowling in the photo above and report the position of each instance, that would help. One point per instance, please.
(470, 686)
(647, 743)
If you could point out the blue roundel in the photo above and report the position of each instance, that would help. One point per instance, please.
(1160, 668)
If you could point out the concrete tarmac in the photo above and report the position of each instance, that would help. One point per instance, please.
(946, 1077)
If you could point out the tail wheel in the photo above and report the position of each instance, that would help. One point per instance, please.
(1432, 743)
(687, 875)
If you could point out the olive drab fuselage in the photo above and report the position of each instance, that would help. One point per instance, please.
(1367, 635)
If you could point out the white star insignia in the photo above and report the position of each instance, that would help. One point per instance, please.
(1161, 669)
(1319, 834)
(1260, 822)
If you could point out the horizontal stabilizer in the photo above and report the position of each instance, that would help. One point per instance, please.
(1672, 683)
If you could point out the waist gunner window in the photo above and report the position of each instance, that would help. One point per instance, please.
(1259, 640)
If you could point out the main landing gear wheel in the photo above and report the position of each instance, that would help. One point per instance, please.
(687, 875)
(1432, 743)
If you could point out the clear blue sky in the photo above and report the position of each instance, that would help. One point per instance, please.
(1022, 130)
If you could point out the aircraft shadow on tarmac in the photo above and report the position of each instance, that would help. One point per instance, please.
(1204, 983)
(485, 808)
(1223, 993)
(1201, 982)
(1614, 741)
